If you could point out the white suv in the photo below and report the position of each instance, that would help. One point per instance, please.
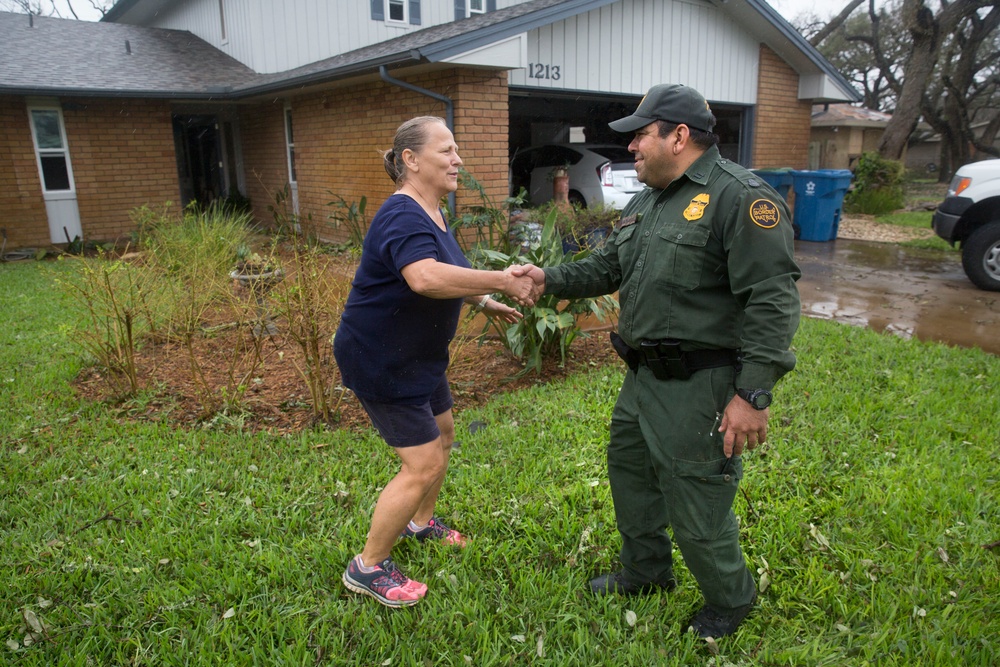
(599, 174)
(970, 215)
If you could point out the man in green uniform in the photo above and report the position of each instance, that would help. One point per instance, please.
(702, 259)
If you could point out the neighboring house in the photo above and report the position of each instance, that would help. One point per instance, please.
(186, 100)
(923, 152)
(841, 133)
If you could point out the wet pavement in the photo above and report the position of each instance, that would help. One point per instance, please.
(908, 292)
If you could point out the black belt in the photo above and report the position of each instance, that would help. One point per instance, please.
(668, 361)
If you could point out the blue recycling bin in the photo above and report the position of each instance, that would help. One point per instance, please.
(779, 179)
(819, 198)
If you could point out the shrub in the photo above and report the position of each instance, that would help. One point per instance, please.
(485, 225)
(352, 216)
(551, 325)
(878, 186)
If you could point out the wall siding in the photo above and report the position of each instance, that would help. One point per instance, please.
(270, 36)
(631, 45)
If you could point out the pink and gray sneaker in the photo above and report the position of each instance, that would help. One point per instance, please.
(436, 530)
(386, 583)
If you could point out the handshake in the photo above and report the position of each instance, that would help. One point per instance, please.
(524, 284)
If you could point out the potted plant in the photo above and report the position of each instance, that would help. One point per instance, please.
(258, 274)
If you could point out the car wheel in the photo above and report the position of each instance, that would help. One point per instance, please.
(576, 199)
(981, 257)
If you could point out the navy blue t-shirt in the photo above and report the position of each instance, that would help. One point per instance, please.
(392, 343)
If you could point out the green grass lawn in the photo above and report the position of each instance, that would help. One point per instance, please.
(140, 544)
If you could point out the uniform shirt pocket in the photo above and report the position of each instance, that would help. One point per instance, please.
(681, 255)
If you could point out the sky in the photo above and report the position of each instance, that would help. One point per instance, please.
(789, 9)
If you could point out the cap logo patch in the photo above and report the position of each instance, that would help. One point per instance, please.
(765, 213)
(697, 207)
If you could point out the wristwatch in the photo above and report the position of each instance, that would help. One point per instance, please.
(758, 399)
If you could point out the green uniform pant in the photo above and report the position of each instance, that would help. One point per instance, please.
(665, 465)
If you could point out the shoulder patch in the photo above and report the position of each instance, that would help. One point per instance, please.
(765, 213)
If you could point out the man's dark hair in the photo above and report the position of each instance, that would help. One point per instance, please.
(699, 138)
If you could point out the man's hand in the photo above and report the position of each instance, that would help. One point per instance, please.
(743, 425)
(519, 287)
(536, 275)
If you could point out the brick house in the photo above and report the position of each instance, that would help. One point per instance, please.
(193, 100)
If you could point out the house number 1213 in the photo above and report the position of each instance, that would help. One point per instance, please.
(543, 71)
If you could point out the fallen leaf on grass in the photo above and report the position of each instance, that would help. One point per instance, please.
(821, 540)
(13, 644)
(942, 554)
(229, 613)
(630, 618)
(520, 639)
(712, 645)
(32, 620)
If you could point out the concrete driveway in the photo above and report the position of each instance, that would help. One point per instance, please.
(903, 291)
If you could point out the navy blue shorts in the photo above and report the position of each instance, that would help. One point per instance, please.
(410, 425)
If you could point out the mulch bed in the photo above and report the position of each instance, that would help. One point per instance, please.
(277, 397)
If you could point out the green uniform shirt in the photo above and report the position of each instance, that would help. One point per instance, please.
(708, 261)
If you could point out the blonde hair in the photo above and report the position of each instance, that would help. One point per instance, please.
(410, 135)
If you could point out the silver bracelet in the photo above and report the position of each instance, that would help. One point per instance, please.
(482, 302)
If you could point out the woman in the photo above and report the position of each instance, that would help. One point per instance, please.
(392, 346)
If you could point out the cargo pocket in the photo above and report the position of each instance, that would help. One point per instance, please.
(703, 496)
(683, 254)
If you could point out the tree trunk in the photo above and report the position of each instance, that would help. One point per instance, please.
(923, 28)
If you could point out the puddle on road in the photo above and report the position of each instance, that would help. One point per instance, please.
(911, 293)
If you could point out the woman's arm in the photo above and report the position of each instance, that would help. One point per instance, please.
(438, 280)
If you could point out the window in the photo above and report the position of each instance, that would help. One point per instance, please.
(397, 11)
(50, 148)
(290, 145)
(467, 8)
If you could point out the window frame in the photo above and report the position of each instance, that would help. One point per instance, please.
(290, 145)
(405, 4)
(62, 151)
(469, 11)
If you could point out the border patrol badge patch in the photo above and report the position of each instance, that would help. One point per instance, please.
(765, 213)
(697, 207)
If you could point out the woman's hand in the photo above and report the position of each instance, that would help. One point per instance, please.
(501, 311)
(520, 288)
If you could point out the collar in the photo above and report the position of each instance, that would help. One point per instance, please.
(701, 169)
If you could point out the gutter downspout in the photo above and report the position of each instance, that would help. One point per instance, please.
(449, 107)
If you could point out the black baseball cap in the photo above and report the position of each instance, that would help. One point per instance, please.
(671, 102)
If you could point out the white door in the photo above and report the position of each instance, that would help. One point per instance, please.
(56, 172)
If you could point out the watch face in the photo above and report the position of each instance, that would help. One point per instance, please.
(761, 399)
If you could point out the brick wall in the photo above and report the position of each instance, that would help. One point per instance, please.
(22, 209)
(122, 152)
(781, 124)
(123, 157)
(341, 133)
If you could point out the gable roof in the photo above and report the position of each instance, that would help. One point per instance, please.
(50, 56)
(73, 57)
